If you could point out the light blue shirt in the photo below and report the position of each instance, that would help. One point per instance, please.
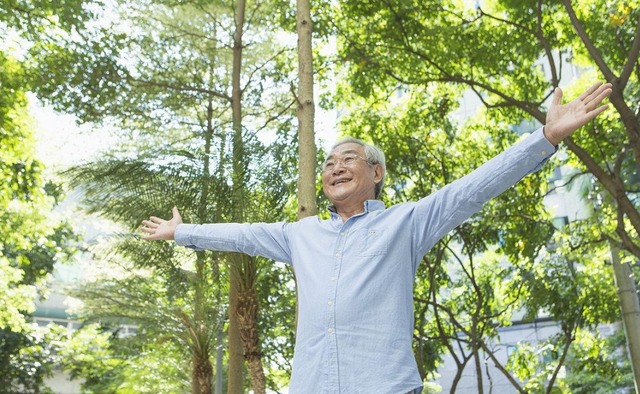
(355, 279)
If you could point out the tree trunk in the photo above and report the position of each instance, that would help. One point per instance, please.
(236, 362)
(248, 319)
(195, 382)
(306, 112)
(478, 362)
(236, 365)
(219, 361)
(203, 371)
(630, 308)
(243, 307)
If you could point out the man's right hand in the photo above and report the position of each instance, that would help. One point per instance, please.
(160, 229)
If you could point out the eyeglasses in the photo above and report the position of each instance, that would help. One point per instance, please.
(346, 161)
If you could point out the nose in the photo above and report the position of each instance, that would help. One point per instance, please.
(339, 168)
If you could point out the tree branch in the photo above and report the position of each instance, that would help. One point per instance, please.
(593, 51)
(261, 66)
(632, 60)
(627, 242)
(213, 93)
(484, 346)
(537, 34)
(571, 179)
(274, 117)
(610, 183)
(568, 340)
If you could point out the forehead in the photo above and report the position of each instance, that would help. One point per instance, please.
(349, 147)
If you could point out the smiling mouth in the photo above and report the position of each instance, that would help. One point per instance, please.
(341, 181)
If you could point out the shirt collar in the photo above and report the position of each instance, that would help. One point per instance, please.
(369, 205)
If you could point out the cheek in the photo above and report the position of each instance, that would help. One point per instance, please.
(325, 181)
(325, 185)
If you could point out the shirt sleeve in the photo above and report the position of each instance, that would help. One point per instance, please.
(255, 239)
(442, 211)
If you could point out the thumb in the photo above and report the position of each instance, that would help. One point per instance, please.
(176, 214)
(557, 97)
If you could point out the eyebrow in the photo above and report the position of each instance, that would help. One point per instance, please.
(355, 152)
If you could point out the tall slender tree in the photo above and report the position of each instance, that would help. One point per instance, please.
(306, 111)
(185, 71)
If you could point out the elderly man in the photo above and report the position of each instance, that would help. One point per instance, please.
(356, 270)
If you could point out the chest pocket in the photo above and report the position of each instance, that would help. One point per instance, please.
(372, 242)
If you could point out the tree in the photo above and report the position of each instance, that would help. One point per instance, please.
(528, 37)
(31, 242)
(474, 293)
(167, 331)
(512, 55)
(306, 111)
(186, 72)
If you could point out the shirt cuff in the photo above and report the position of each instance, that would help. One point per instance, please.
(182, 236)
(542, 144)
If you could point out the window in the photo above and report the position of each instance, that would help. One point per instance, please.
(560, 222)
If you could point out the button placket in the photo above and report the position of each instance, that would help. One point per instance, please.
(331, 331)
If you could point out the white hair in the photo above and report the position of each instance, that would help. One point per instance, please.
(373, 155)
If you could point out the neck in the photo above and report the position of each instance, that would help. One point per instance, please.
(348, 210)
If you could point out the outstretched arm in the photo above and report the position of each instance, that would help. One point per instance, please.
(440, 212)
(160, 229)
(563, 120)
(255, 239)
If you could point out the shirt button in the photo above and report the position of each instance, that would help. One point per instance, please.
(329, 330)
(337, 254)
(544, 153)
(342, 234)
(333, 278)
(330, 303)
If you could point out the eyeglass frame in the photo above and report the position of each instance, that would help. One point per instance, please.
(342, 161)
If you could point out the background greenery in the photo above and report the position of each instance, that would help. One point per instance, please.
(159, 75)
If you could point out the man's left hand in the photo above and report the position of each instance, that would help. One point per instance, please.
(564, 119)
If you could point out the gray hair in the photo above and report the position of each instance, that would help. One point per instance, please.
(372, 153)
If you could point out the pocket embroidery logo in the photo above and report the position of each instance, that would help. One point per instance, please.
(372, 242)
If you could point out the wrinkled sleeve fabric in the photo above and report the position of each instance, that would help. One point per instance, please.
(268, 240)
(440, 212)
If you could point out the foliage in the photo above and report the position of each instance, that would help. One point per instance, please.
(152, 359)
(404, 78)
(161, 75)
(31, 241)
(34, 18)
(599, 364)
(512, 55)
(29, 356)
(163, 80)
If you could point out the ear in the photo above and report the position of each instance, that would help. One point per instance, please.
(378, 173)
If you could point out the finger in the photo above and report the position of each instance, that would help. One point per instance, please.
(150, 224)
(157, 220)
(148, 230)
(595, 112)
(596, 97)
(592, 89)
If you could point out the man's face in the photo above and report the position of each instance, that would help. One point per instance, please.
(352, 183)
